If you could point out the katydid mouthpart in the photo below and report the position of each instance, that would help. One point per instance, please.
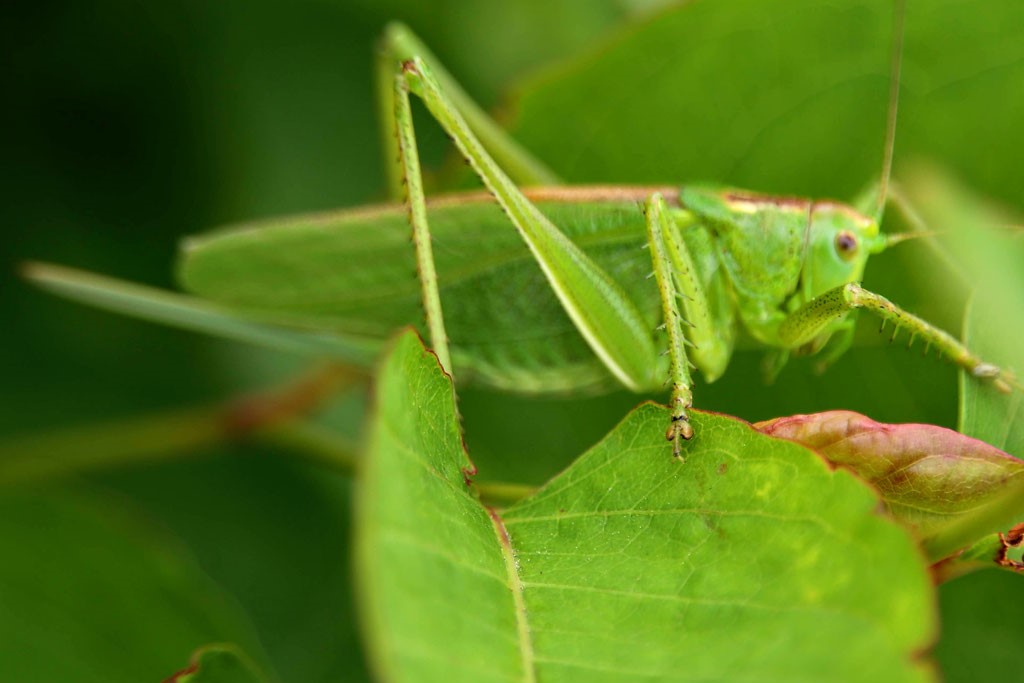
(595, 287)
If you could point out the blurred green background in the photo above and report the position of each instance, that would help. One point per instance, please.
(132, 124)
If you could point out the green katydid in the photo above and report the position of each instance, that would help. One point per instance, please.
(563, 302)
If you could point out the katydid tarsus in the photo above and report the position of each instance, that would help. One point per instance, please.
(555, 288)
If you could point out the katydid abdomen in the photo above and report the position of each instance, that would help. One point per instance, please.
(353, 272)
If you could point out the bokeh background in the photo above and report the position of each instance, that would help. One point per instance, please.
(129, 125)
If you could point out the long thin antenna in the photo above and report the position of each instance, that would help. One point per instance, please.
(895, 65)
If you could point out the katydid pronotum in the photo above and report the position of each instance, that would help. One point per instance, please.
(561, 289)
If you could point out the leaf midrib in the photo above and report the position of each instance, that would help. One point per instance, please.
(515, 584)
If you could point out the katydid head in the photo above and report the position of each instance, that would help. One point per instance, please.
(839, 242)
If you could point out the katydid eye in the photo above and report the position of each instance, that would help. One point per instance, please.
(846, 244)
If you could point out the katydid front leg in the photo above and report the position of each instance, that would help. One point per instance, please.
(807, 322)
(659, 231)
(683, 294)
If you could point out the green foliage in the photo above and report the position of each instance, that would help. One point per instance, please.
(629, 565)
(136, 126)
(86, 594)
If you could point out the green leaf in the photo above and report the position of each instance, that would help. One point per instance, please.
(750, 560)
(981, 627)
(929, 477)
(275, 534)
(785, 97)
(90, 592)
(993, 327)
(219, 664)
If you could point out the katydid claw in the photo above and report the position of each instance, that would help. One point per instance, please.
(679, 428)
(1002, 381)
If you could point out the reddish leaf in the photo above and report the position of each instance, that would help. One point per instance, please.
(928, 476)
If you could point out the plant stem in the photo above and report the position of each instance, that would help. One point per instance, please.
(268, 415)
(109, 444)
(315, 444)
(502, 494)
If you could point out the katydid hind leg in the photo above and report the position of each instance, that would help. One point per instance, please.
(412, 181)
(399, 44)
(606, 317)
